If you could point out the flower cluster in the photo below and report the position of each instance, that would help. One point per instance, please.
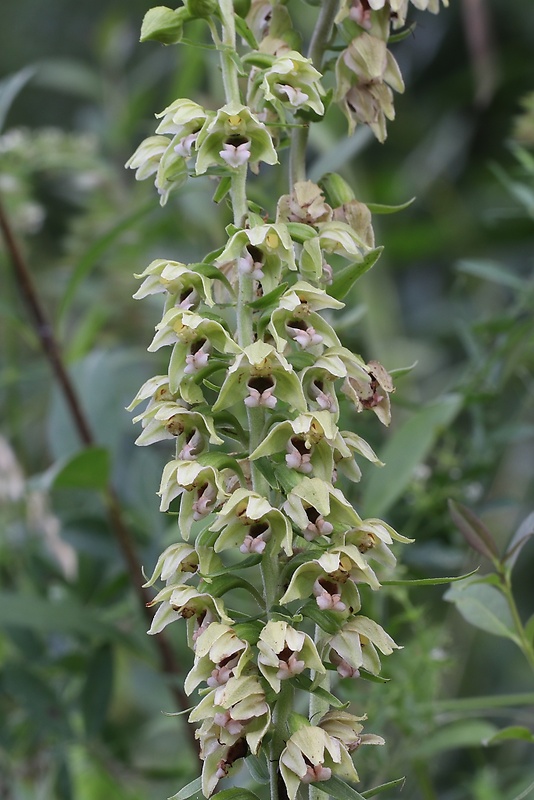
(253, 398)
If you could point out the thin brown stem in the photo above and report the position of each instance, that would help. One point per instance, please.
(123, 537)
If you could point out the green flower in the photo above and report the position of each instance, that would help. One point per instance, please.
(332, 579)
(295, 318)
(317, 509)
(234, 137)
(262, 251)
(370, 387)
(191, 429)
(202, 490)
(219, 655)
(249, 521)
(309, 442)
(286, 652)
(186, 602)
(156, 390)
(177, 560)
(372, 537)
(356, 645)
(347, 728)
(186, 287)
(292, 81)
(312, 755)
(260, 376)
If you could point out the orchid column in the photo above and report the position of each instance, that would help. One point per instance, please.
(252, 394)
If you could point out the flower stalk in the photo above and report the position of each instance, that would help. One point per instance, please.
(258, 390)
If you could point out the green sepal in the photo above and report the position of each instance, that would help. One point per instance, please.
(222, 189)
(328, 621)
(249, 631)
(379, 208)
(306, 684)
(300, 232)
(165, 25)
(269, 300)
(346, 279)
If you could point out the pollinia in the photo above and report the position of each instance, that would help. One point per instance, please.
(252, 395)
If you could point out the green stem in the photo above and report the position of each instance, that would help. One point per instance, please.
(524, 644)
(229, 70)
(318, 44)
(282, 710)
(317, 708)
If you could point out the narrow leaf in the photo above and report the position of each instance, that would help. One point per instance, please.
(519, 540)
(456, 735)
(473, 530)
(379, 208)
(512, 732)
(235, 793)
(346, 279)
(258, 769)
(384, 787)
(222, 189)
(338, 789)
(329, 621)
(368, 676)
(407, 448)
(10, 88)
(270, 299)
(245, 32)
(429, 581)
(188, 791)
(90, 258)
(97, 690)
(491, 271)
(303, 682)
(222, 584)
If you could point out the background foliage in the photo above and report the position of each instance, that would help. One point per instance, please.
(81, 686)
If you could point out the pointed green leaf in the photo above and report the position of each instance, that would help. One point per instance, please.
(384, 787)
(304, 683)
(221, 461)
(328, 621)
(491, 271)
(407, 448)
(338, 789)
(222, 189)
(235, 793)
(244, 31)
(368, 676)
(258, 768)
(511, 732)
(379, 208)
(204, 268)
(249, 631)
(97, 690)
(222, 584)
(269, 300)
(473, 530)
(483, 606)
(455, 735)
(188, 791)
(10, 86)
(429, 581)
(519, 540)
(345, 280)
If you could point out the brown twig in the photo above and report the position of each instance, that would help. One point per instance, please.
(52, 351)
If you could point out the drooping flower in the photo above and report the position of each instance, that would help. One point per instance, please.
(285, 652)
